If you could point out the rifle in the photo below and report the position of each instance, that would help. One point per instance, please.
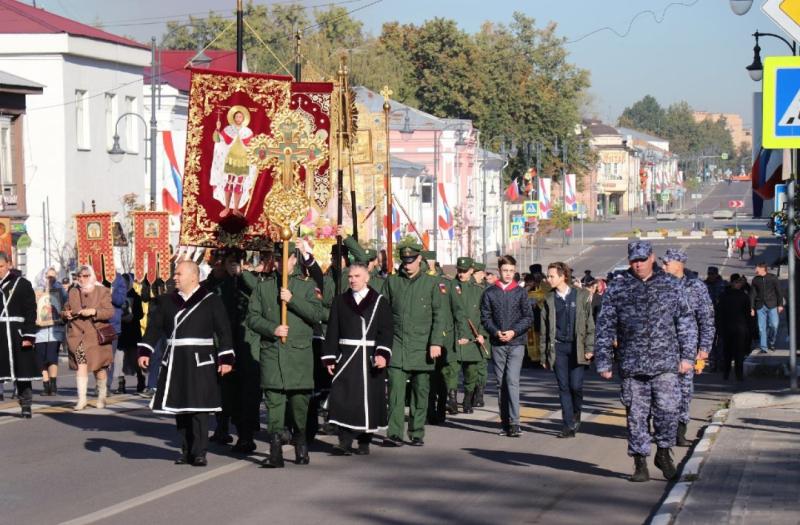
(475, 334)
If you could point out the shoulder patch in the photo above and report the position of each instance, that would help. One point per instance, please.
(318, 293)
(458, 289)
(443, 288)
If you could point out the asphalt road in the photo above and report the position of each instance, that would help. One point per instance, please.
(115, 465)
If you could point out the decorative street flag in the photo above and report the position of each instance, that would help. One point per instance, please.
(512, 192)
(446, 222)
(95, 242)
(151, 245)
(249, 138)
(570, 198)
(544, 198)
(172, 192)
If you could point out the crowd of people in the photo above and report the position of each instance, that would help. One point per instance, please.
(348, 350)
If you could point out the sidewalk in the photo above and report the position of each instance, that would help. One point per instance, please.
(751, 474)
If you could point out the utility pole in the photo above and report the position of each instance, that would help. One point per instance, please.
(153, 123)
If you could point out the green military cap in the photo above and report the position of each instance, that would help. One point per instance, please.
(409, 252)
(464, 263)
(478, 267)
(279, 249)
(429, 255)
(370, 254)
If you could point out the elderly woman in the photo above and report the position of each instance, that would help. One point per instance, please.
(88, 311)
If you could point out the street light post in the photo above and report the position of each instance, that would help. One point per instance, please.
(117, 152)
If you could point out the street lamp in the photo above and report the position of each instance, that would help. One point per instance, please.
(406, 130)
(756, 69)
(116, 152)
(741, 7)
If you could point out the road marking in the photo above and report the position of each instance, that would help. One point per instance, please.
(124, 402)
(615, 417)
(159, 493)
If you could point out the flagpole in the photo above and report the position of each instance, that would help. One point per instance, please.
(387, 182)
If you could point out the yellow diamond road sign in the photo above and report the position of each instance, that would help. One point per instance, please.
(785, 13)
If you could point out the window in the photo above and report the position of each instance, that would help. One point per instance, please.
(6, 168)
(427, 193)
(111, 118)
(82, 119)
(132, 125)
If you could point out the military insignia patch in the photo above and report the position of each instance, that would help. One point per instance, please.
(318, 293)
(458, 289)
(443, 288)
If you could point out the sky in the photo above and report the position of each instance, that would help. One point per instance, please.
(692, 50)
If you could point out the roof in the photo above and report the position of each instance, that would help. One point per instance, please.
(598, 128)
(641, 135)
(405, 167)
(418, 120)
(174, 64)
(19, 18)
(9, 82)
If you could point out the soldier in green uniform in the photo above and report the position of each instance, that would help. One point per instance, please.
(444, 379)
(467, 309)
(482, 370)
(287, 368)
(418, 311)
(367, 256)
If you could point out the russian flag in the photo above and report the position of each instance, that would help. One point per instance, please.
(395, 226)
(172, 193)
(766, 174)
(446, 223)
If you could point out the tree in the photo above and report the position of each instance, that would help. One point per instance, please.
(646, 114)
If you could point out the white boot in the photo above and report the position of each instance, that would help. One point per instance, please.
(83, 383)
(102, 390)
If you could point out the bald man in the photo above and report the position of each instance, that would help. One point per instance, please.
(199, 347)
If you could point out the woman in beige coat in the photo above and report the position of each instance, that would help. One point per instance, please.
(88, 309)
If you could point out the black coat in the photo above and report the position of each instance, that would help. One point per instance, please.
(503, 310)
(17, 324)
(358, 390)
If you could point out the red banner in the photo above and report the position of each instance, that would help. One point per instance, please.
(151, 245)
(95, 242)
(246, 131)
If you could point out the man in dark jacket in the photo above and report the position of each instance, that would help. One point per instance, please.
(766, 301)
(507, 315)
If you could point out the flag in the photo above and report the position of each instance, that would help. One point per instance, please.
(172, 191)
(446, 223)
(394, 228)
(766, 173)
(512, 192)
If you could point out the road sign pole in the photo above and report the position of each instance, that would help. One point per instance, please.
(792, 291)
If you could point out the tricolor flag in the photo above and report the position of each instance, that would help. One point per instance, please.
(512, 192)
(766, 173)
(446, 223)
(172, 192)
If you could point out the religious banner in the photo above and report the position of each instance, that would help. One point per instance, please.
(151, 245)
(6, 239)
(95, 242)
(250, 140)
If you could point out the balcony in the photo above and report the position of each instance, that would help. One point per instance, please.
(9, 197)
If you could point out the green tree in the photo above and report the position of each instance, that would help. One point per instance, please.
(646, 114)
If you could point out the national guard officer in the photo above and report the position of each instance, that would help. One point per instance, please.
(470, 347)
(482, 370)
(647, 312)
(287, 368)
(418, 315)
(703, 308)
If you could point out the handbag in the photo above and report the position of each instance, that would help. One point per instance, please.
(105, 334)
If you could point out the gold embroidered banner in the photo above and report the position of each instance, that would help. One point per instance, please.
(95, 242)
(248, 134)
(151, 245)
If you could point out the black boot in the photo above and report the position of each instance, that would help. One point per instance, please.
(681, 441)
(452, 402)
(140, 382)
(46, 390)
(275, 459)
(664, 462)
(641, 473)
(301, 450)
(467, 405)
(343, 448)
(53, 387)
(479, 397)
(577, 417)
(25, 401)
(121, 386)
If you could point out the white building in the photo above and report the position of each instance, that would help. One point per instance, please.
(91, 78)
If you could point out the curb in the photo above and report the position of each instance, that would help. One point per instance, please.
(672, 504)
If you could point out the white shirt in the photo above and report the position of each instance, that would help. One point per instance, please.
(359, 296)
(186, 296)
(563, 295)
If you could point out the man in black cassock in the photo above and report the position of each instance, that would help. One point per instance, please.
(199, 347)
(356, 351)
(18, 362)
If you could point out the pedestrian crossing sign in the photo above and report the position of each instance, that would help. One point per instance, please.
(517, 229)
(781, 103)
(531, 208)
